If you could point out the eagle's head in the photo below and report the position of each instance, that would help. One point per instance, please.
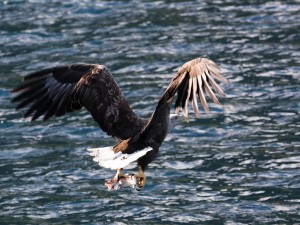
(175, 119)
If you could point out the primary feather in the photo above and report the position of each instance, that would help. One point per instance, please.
(59, 90)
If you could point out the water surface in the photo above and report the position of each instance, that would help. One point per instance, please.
(240, 164)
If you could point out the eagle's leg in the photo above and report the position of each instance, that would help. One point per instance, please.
(141, 179)
(118, 174)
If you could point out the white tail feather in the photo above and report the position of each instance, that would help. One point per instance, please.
(106, 157)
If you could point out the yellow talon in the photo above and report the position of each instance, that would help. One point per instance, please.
(118, 174)
(141, 179)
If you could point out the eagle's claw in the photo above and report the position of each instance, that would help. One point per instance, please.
(126, 180)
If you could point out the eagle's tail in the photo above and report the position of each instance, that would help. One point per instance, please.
(106, 157)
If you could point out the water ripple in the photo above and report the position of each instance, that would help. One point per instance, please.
(237, 165)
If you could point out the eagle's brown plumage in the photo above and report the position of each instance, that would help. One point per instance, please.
(192, 80)
(59, 90)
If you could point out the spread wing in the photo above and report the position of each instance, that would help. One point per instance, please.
(193, 81)
(59, 90)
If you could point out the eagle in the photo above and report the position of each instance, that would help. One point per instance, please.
(59, 90)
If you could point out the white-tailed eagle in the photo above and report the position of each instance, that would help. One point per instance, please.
(59, 90)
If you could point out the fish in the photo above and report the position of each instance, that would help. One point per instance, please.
(126, 180)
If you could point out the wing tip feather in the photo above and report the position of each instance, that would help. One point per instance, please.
(204, 70)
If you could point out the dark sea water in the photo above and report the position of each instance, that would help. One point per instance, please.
(240, 164)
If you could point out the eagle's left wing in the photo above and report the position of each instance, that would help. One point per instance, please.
(63, 89)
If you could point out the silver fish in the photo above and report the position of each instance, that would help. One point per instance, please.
(126, 180)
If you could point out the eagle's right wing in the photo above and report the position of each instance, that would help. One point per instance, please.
(192, 81)
(63, 89)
